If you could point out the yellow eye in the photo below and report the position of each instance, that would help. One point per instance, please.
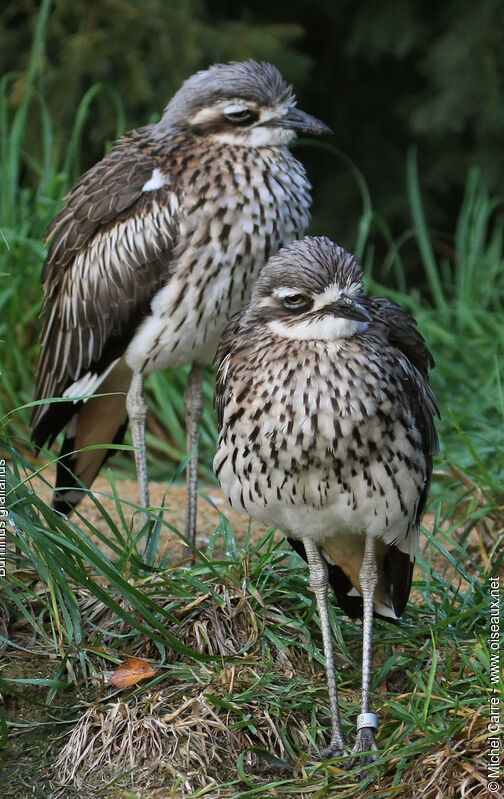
(295, 301)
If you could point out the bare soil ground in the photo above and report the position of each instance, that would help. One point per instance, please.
(172, 500)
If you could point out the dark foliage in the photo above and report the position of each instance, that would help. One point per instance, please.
(383, 76)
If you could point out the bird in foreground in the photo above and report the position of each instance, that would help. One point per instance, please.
(327, 432)
(158, 245)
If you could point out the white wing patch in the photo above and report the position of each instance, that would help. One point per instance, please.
(385, 610)
(88, 383)
(156, 181)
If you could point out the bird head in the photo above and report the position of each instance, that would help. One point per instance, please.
(246, 103)
(311, 289)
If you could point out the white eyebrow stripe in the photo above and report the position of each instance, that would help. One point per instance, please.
(333, 293)
(336, 288)
(287, 291)
(210, 112)
(235, 108)
(330, 295)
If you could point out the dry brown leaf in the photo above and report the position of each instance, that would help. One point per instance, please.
(131, 672)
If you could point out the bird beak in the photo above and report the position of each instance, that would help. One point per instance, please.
(349, 308)
(298, 120)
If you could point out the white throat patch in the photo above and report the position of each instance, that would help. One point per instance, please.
(256, 137)
(325, 328)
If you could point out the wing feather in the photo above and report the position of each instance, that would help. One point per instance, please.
(110, 253)
(413, 363)
(400, 328)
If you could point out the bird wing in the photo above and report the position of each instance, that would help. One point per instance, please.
(110, 252)
(401, 330)
(413, 364)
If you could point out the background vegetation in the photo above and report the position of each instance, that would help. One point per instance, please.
(382, 75)
(411, 184)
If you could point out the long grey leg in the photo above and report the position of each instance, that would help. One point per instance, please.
(194, 409)
(319, 582)
(367, 722)
(137, 412)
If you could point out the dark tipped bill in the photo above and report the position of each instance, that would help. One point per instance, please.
(349, 308)
(299, 120)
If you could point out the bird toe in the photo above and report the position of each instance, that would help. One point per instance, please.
(328, 753)
(365, 751)
(333, 750)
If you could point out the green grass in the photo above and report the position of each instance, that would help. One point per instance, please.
(255, 615)
(250, 648)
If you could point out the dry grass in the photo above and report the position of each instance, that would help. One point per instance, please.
(456, 770)
(190, 732)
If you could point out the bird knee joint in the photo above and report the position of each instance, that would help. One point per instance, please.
(137, 409)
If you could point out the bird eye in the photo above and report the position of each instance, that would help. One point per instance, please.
(295, 301)
(240, 115)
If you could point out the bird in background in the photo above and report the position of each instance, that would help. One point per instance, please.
(157, 246)
(327, 432)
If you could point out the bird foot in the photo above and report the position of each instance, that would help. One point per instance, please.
(365, 750)
(333, 750)
(320, 755)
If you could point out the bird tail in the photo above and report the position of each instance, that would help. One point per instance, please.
(99, 421)
(395, 569)
(395, 564)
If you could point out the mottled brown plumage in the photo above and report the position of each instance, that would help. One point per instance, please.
(156, 247)
(327, 431)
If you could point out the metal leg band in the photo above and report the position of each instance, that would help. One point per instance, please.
(367, 720)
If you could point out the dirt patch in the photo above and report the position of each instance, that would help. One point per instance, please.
(212, 502)
(27, 762)
(171, 500)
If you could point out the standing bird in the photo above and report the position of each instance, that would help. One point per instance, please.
(158, 245)
(327, 432)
